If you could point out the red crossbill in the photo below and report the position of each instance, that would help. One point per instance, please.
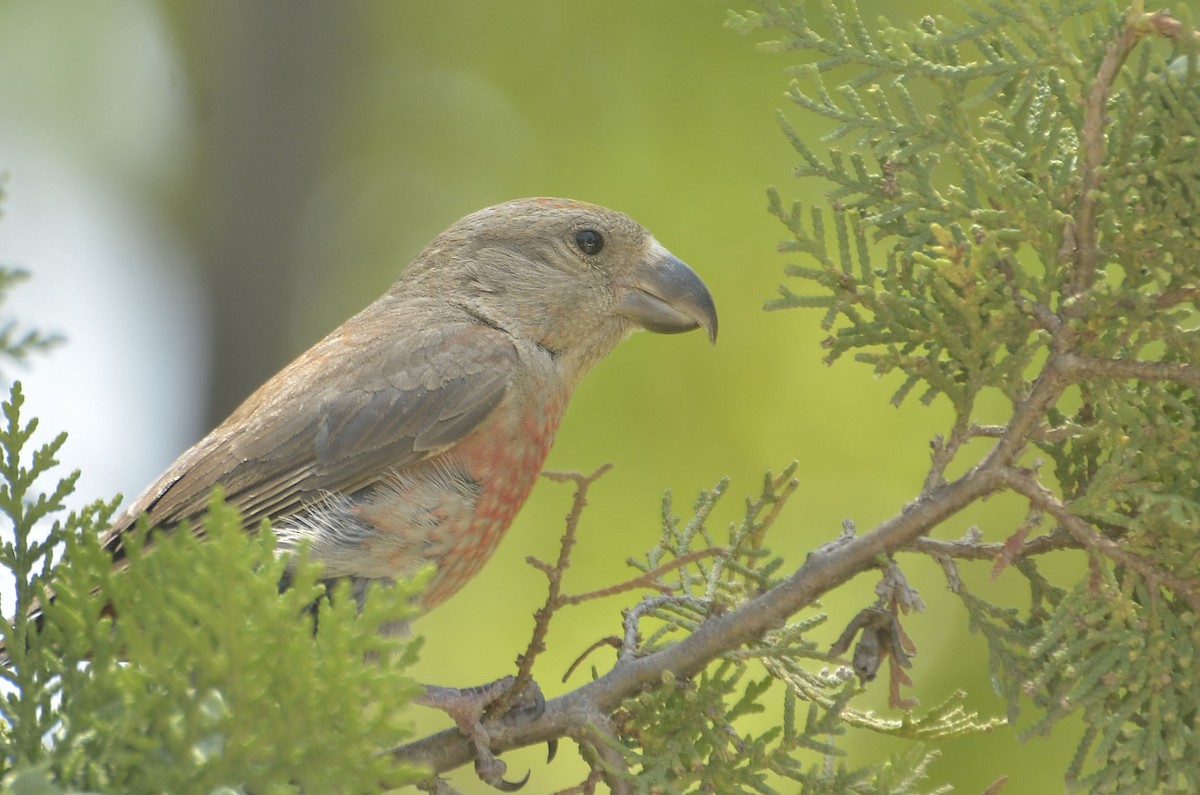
(412, 433)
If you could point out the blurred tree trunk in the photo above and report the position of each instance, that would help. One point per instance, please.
(265, 74)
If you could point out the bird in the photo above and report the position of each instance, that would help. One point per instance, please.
(410, 435)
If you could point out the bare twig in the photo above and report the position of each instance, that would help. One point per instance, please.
(647, 579)
(544, 614)
(1013, 547)
(968, 550)
(1043, 433)
(1182, 295)
(950, 570)
(1138, 25)
(941, 454)
(1089, 368)
(609, 640)
(1027, 414)
(587, 786)
(987, 431)
(1093, 154)
(995, 787)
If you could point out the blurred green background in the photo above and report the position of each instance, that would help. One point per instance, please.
(273, 165)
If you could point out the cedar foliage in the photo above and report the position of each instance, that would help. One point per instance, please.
(211, 681)
(1029, 227)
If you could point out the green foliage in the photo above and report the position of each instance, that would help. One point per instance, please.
(1012, 214)
(973, 192)
(1151, 211)
(1010, 635)
(1125, 658)
(687, 742)
(17, 343)
(1122, 656)
(30, 711)
(1134, 465)
(210, 680)
(964, 197)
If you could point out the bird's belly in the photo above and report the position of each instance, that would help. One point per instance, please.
(450, 511)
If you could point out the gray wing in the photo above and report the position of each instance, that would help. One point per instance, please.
(337, 421)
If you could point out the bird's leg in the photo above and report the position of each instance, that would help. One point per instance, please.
(466, 707)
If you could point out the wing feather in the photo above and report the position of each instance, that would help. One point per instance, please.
(332, 422)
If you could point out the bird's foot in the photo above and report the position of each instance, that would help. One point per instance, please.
(466, 707)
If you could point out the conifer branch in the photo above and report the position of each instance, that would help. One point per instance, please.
(1094, 541)
(1138, 25)
(1029, 412)
(1094, 151)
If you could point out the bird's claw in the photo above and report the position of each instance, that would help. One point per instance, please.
(491, 769)
(529, 703)
(467, 706)
(488, 767)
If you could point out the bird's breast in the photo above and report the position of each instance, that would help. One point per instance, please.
(503, 458)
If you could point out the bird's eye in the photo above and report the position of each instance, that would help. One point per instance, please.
(589, 241)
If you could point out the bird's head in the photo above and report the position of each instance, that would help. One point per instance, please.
(574, 278)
